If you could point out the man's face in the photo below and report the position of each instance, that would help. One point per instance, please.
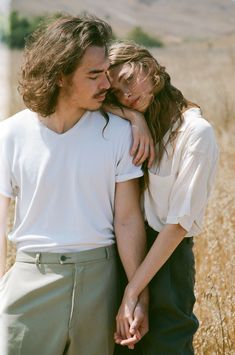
(86, 87)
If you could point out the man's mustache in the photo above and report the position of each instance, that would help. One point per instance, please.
(100, 93)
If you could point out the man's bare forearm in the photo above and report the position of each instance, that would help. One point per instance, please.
(131, 242)
(129, 226)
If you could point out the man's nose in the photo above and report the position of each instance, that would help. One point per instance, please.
(105, 83)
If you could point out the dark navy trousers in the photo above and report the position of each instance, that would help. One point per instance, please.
(172, 322)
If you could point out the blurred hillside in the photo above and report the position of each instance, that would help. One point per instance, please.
(172, 20)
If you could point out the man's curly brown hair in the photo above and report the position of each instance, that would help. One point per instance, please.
(56, 49)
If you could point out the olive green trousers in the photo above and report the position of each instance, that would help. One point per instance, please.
(54, 304)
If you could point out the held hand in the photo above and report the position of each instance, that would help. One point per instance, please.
(138, 328)
(125, 318)
(141, 322)
(143, 146)
(130, 342)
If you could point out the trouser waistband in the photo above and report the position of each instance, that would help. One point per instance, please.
(66, 258)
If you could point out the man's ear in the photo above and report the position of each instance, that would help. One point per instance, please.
(60, 80)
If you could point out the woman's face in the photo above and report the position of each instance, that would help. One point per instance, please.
(132, 88)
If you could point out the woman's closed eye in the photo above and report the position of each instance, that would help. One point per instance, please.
(128, 79)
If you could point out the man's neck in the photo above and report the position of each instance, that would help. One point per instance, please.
(63, 119)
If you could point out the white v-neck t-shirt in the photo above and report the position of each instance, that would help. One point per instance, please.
(179, 189)
(64, 184)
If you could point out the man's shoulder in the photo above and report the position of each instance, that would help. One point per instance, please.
(115, 126)
(118, 124)
(15, 123)
(120, 129)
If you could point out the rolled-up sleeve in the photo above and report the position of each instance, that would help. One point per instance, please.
(192, 187)
(126, 170)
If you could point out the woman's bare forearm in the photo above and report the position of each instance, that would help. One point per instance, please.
(166, 242)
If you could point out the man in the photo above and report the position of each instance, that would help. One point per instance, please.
(69, 168)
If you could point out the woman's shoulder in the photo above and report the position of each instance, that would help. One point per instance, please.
(195, 123)
(193, 119)
(200, 133)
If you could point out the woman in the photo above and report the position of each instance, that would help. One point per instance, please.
(176, 190)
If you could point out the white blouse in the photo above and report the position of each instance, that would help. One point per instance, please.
(179, 189)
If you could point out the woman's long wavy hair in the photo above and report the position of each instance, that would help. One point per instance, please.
(55, 49)
(164, 113)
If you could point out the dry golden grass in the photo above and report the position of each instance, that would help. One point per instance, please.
(215, 261)
(214, 251)
(205, 73)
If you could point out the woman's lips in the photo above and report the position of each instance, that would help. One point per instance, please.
(134, 102)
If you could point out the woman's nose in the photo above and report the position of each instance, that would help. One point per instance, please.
(126, 97)
(127, 94)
